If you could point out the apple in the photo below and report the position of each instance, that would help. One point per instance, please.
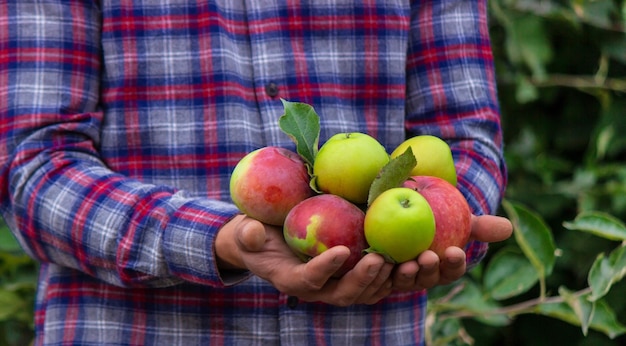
(347, 164)
(399, 224)
(323, 221)
(452, 213)
(267, 182)
(433, 155)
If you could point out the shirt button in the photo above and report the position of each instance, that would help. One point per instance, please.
(271, 89)
(292, 302)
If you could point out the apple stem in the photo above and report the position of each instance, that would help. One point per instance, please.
(405, 203)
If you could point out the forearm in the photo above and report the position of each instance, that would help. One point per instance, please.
(60, 199)
(71, 210)
(452, 94)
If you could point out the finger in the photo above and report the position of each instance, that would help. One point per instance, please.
(252, 235)
(428, 274)
(491, 228)
(405, 275)
(316, 272)
(379, 288)
(452, 265)
(355, 282)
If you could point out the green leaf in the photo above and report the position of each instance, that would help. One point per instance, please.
(7, 240)
(606, 271)
(583, 308)
(470, 298)
(448, 332)
(525, 92)
(599, 224)
(558, 310)
(10, 303)
(393, 174)
(615, 46)
(302, 124)
(533, 236)
(597, 13)
(508, 274)
(528, 43)
(604, 319)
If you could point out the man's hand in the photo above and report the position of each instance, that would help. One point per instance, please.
(428, 270)
(245, 243)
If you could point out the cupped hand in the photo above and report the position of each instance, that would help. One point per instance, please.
(428, 270)
(245, 243)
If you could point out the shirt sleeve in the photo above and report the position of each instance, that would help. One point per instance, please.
(58, 197)
(451, 93)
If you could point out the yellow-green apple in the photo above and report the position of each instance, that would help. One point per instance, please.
(450, 208)
(268, 182)
(323, 221)
(399, 224)
(433, 155)
(347, 164)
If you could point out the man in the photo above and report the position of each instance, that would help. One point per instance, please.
(122, 121)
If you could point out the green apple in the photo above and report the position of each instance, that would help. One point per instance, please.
(433, 155)
(399, 224)
(347, 164)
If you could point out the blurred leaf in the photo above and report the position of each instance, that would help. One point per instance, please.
(468, 297)
(604, 319)
(606, 271)
(595, 12)
(528, 43)
(583, 308)
(7, 240)
(533, 236)
(508, 274)
(448, 332)
(599, 224)
(10, 303)
(615, 47)
(526, 91)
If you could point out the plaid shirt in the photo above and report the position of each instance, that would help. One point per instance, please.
(122, 120)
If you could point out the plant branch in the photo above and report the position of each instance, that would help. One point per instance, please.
(615, 84)
(512, 310)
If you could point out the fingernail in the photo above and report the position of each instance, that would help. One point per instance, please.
(454, 260)
(408, 276)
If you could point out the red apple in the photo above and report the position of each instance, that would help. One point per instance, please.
(450, 208)
(323, 221)
(268, 182)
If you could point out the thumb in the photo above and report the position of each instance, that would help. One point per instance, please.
(251, 235)
(491, 228)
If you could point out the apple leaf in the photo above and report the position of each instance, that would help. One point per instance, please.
(604, 319)
(533, 236)
(508, 274)
(393, 174)
(582, 307)
(302, 124)
(600, 224)
(606, 271)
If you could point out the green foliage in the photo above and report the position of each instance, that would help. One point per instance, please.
(561, 70)
(17, 291)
